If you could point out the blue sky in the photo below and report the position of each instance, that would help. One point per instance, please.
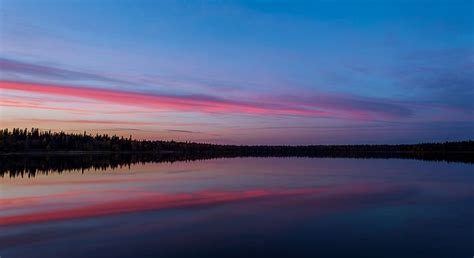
(272, 72)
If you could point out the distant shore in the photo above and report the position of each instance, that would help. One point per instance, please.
(32, 151)
(75, 152)
(24, 141)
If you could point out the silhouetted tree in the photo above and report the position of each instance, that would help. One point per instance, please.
(21, 141)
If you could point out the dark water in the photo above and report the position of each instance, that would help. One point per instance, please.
(244, 207)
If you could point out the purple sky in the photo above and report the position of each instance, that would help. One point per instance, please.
(241, 72)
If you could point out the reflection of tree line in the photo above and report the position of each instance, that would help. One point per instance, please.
(28, 152)
(31, 165)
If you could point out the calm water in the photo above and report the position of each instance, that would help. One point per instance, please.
(248, 207)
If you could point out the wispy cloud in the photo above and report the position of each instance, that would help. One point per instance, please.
(50, 72)
(349, 106)
(106, 122)
(189, 103)
(439, 77)
(321, 106)
(111, 122)
(181, 131)
(41, 73)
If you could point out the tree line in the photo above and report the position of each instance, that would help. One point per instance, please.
(29, 152)
(23, 141)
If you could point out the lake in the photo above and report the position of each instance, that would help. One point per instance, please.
(243, 207)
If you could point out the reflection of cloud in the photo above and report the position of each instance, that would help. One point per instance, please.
(114, 203)
(152, 201)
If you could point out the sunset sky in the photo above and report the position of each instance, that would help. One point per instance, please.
(241, 72)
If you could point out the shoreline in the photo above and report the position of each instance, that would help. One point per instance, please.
(217, 154)
(32, 153)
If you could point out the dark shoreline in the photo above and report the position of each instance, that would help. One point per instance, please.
(64, 153)
(28, 152)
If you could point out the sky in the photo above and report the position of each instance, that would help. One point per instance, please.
(241, 72)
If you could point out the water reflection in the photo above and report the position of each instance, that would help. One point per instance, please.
(30, 165)
(245, 207)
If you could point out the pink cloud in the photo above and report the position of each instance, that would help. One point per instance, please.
(191, 103)
(25, 104)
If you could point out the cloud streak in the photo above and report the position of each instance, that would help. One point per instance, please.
(18, 67)
(321, 106)
(190, 103)
(361, 107)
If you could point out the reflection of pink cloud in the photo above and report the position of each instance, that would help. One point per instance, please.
(19, 202)
(139, 202)
(191, 103)
(108, 198)
(41, 200)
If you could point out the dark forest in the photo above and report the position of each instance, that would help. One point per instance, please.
(28, 152)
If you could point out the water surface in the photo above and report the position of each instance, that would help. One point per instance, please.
(243, 207)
